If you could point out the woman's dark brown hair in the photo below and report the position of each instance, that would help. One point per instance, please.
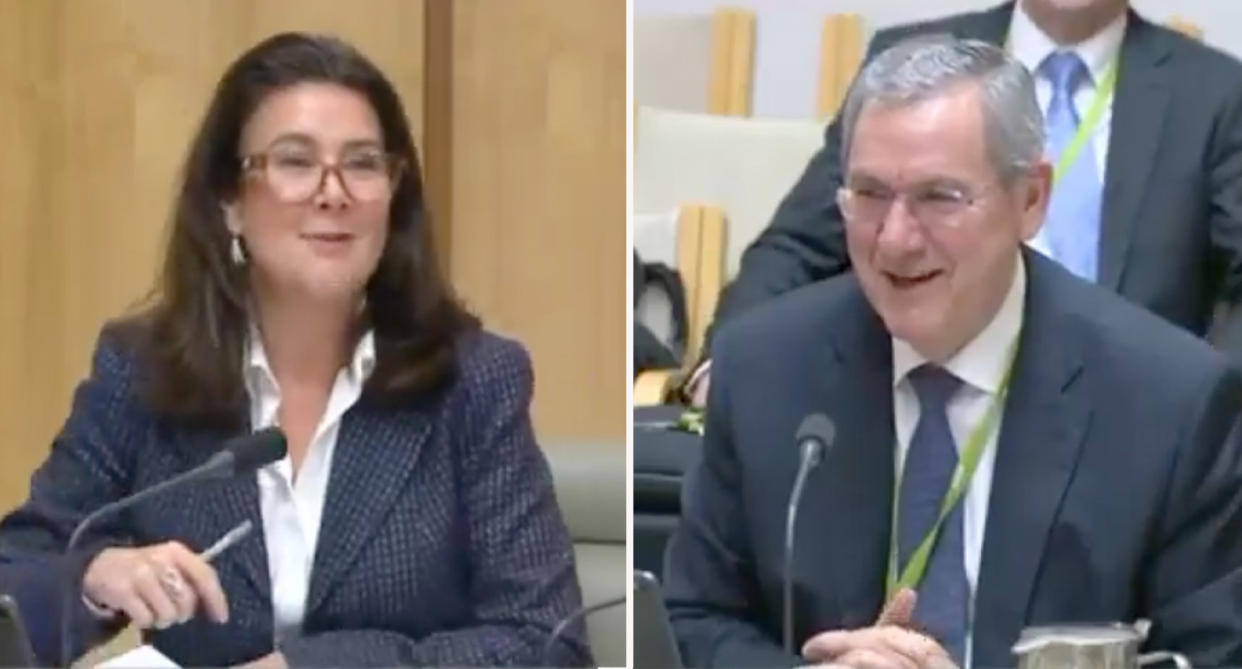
(195, 328)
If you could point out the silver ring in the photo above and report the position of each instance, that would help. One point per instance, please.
(172, 582)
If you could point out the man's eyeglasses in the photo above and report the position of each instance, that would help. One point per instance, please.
(933, 204)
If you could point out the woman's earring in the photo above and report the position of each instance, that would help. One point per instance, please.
(235, 251)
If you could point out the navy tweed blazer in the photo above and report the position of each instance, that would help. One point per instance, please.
(441, 541)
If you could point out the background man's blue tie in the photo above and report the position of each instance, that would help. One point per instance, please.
(1072, 227)
(943, 594)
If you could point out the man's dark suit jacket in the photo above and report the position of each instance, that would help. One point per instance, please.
(1171, 226)
(1117, 489)
(441, 543)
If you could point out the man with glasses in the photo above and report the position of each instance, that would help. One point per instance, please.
(1144, 128)
(1014, 446)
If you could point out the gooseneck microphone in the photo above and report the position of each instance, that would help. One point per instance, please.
(240, 455)
(815, 436)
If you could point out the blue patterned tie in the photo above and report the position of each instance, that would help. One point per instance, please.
(943, 594)
(1072, 228)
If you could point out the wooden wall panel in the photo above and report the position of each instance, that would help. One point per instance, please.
(100, 100)
(26, 207)
(841, 50)
(733, 61)
(538, 200)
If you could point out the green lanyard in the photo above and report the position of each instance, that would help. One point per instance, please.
(1103, 96)
(912, 575)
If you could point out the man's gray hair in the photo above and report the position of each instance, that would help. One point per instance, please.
(922, 68)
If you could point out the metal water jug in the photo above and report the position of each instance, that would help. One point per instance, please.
(1111, 646)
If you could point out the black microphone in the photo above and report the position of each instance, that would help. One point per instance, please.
(814, 436)
(563, 624)
(240, 455)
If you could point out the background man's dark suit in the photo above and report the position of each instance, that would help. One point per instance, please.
(1171, 228)
(1117, 490)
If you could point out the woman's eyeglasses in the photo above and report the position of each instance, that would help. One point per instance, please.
(297, 175)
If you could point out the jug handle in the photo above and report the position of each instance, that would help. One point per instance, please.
(1177, 659)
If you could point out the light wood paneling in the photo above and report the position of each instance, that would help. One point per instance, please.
(539, 196)
(733, 61)
(702, 238)
(27, 207)
(100, 100)
(1185, 26)
(841, 52)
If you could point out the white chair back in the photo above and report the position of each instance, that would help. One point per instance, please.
(744, 166)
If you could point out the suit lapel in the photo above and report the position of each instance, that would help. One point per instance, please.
(239, 500)
(375, 453)
(216, 506)
(853, 485)
(1138, 116)
(1045, 419)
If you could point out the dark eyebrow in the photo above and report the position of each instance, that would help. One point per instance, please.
(354, 144)
(292, 138)
(303, 139)
(862, 179)
(944, 183)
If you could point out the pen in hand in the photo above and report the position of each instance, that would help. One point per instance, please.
(170, 578)
(227, 541)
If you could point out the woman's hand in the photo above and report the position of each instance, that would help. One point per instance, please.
(155, 586)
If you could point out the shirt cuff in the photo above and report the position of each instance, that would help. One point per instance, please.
(698, 373)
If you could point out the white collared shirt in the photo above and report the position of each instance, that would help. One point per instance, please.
(1031, 47)
(292, 509)
(980, 365)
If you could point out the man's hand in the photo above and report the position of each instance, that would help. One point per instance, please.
(888, 644)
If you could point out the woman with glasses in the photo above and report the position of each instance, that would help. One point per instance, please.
(412, 521)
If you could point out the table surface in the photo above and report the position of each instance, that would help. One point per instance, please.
(659, 449)
(661, 458)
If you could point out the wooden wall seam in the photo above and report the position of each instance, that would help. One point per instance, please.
(437, 149)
